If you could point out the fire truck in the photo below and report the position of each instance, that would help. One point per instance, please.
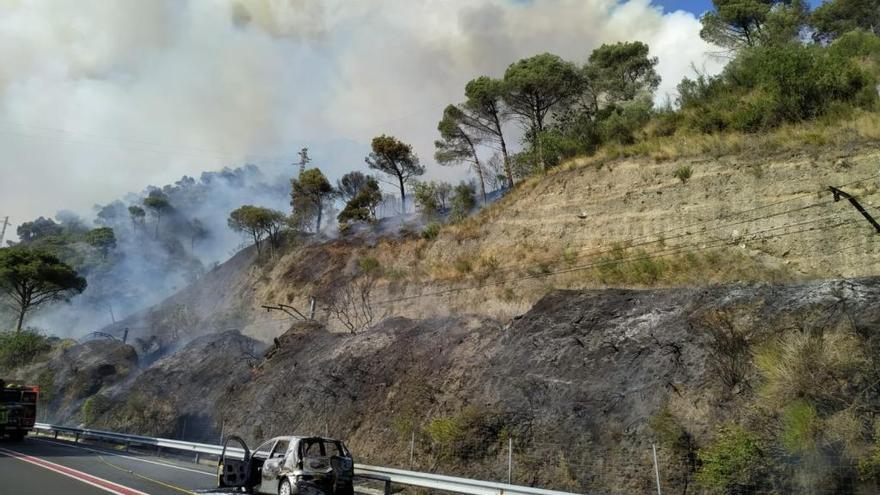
(18, 409)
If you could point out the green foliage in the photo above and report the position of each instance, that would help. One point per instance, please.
(257, 223)
(459, 138)
(473, 433)
(463, 201)
(46, 382)
(31, 277)
(369, 265)
(768, 86)
(431, 231)
(93, 408)
(621, 72)
(737, 24)
(536, 86)
(38, 229)
(102, 238)
(308, 195)
(21, 348)
(396, 158)
(835, 17)
(800, 425)
(485, 114)
(362, 207)
(732, 463)
(350, 184)
(683, 173)
(431, 197)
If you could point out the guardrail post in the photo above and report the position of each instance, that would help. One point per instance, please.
(76, 438)
(159, 451)
(127, 446)
(56, 434)
(197, 457)
(387, 487)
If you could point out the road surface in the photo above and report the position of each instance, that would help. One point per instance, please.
(43, 466)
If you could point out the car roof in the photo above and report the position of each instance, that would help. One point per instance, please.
(298, 438)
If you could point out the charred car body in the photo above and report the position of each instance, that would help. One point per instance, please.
(287, 465)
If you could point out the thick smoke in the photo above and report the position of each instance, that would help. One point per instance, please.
(100, 97)
(146, 266)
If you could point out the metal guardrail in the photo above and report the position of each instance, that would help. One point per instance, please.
(383, 474)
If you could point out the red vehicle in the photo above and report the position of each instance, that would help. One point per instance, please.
(18, 409)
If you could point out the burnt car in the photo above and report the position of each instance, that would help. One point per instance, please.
(287, 465)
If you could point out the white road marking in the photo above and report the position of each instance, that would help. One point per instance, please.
(100, 483)
(133, 458)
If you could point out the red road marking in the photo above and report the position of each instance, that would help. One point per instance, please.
(103, 484)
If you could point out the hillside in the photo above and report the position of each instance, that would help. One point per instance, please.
(627, 222)
(583, 383)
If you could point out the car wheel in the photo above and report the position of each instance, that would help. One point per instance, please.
(284, 489)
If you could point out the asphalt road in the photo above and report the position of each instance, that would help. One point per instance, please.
(42, 466)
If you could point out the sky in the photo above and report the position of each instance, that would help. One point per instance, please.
(100, 98)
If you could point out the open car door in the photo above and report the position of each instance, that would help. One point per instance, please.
(233, 472)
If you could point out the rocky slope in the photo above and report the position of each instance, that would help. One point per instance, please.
(583, 383)
(627, 223)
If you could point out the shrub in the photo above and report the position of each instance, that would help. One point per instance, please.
(473, 433)
(800, 425)
(431, 231)
(683, 173)
(463, 201)
(368, 265)
(21, 348)
(93, 408)
(733, 463)
(463, 265)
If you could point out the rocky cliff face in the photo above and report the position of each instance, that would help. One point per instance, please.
(583, 383)
(630, 223)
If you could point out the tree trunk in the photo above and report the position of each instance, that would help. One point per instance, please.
(158, 219)
(402, 195)
(507, 168)
(479, 171)
(22, 310)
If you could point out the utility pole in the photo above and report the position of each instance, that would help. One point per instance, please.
(841, 194)
(3, 231)
(303, 159)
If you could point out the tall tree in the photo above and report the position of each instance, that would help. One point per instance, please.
(536, 86)
(251, 221)
(836, 17)
(158, 204)
(737, 24)
(32, 278)
(485, 113)
(137, 215)
(197, 232)
(362, 207)
(395, 158)
(102, 238)
(308, 195)
(620, 72)
(458, 143)
(38, 229)
(351, 184)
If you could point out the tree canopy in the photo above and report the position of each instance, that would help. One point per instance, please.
(350, 184)
(486, 114)
(458, 143)
(257, 223)
(308, 195)
(362, 207)
(158, 204)
(835, 17)
(537, 85)
(102, 238)
(396, 158)
(32, 277)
